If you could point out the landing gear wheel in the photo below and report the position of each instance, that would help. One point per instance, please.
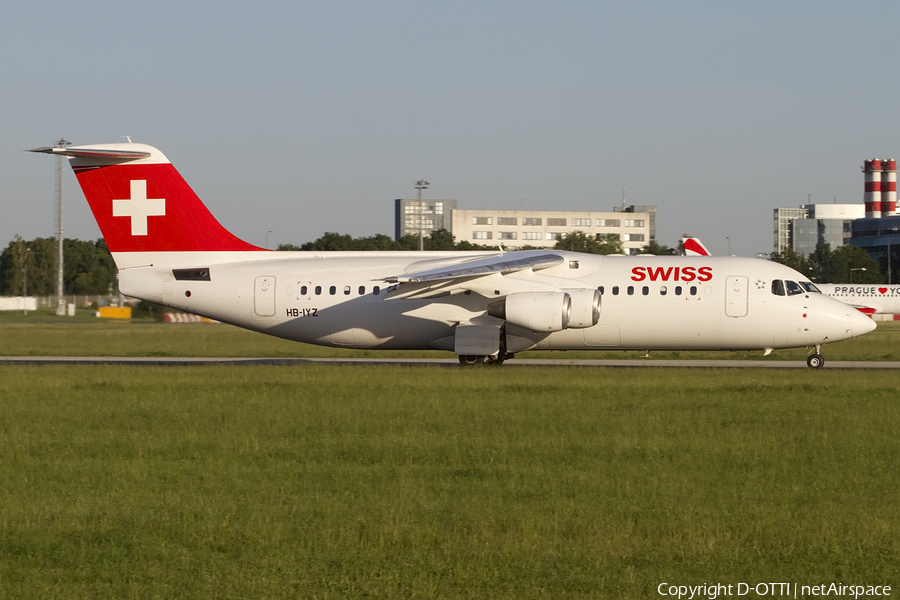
(815, 361)
(501, 357)
(470, 360)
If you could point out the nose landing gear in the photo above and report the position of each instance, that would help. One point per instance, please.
(815, 360)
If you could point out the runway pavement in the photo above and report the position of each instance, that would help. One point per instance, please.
(516, 362)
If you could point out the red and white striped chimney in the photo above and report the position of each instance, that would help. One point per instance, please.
(888, 187)
(872, 196)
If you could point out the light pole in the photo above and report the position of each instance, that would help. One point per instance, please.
(855, 269)
(267, 238)
(421, 185)
(60, 301)
(728, 239)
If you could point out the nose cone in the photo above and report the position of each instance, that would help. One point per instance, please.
(860, 323)
(839, 321)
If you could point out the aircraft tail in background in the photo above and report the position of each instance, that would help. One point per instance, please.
(694, 247)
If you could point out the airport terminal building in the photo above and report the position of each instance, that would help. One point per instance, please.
(634, 225)
(800, 229)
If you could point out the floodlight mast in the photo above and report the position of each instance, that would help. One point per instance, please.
(60, 300)
(421, 185)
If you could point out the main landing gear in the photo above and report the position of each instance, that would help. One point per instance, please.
(471, 360)
(815, 360)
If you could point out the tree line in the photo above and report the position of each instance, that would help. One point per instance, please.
(441, 239)
(844, 264)
(30, 268)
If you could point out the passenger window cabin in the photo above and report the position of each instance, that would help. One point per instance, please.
(347, 290)
(663, 290)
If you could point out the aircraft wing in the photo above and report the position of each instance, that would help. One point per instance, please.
(477, 275)
(503, 265)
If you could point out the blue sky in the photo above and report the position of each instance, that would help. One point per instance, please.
(300, 118)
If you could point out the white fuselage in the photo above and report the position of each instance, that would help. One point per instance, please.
(339, 299)
(880, 298)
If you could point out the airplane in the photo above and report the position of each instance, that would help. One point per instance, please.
(869, 299)
(483, 306)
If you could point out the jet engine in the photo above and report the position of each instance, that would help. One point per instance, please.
(585, 308)
(537, 311)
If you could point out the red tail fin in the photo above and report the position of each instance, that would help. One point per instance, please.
(141, 202)
(694, 247)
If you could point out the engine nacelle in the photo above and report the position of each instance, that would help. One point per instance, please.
(537, 311)
(585, 308)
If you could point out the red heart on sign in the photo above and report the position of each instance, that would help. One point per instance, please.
(882, 290)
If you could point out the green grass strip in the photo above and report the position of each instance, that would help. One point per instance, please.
(323, 481)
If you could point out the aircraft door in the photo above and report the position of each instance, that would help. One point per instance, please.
(736, 295)
(264, 296)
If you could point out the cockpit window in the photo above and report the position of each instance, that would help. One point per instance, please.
(810, 287)
(778, 287)
(793, 288)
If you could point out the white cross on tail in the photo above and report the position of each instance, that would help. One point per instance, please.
(139, 207)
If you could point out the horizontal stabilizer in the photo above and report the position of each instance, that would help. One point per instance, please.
(96, 152)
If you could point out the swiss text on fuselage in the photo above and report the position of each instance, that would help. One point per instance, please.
(672, 273)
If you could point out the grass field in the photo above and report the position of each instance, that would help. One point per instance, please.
(326, 481)
(44, 334)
